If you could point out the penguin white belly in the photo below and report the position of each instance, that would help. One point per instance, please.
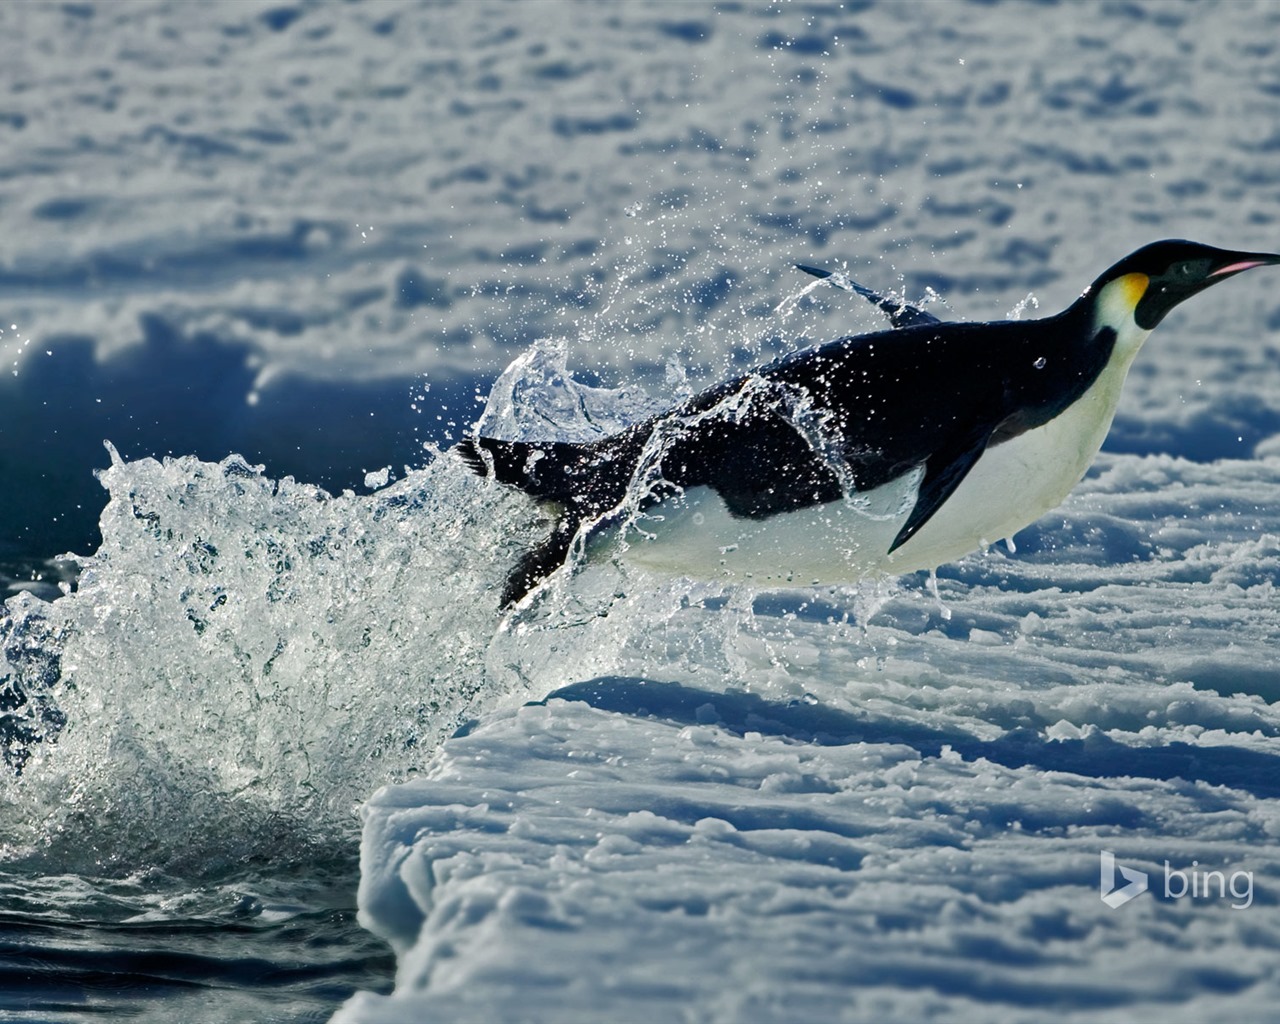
(1011, 486)
(694, 535)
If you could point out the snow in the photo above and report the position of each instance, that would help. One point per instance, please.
(308, 233)
(898, 820)
(567, 862)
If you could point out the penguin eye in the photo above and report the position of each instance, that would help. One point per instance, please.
(1190, 270)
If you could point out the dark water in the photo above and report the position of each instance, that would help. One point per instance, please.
(172, 397)
(260, 944)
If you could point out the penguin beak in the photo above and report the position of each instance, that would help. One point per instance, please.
(1245, 262)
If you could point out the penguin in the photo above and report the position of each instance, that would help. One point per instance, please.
(879, 453)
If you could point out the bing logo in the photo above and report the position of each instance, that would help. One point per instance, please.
(1192, 883)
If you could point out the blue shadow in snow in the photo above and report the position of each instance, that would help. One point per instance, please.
(1099, 757)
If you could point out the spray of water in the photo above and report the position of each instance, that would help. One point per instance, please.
(243, 661)
(244, 656)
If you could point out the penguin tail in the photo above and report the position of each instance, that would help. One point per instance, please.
(547, 470)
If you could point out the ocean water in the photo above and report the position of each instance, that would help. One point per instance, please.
(279, 256)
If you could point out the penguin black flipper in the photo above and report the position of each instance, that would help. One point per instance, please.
(944, 471)
(900, 313)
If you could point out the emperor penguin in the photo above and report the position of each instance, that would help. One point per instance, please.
(883, 453)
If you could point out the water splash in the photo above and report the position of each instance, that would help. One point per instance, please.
(243, 661)
(247, 652)
(537, 397)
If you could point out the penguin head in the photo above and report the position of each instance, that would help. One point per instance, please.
(1157, 277)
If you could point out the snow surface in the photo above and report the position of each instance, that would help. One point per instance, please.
(865, 806)
(793, 818)
(308, 232)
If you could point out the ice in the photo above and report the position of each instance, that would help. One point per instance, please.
(262, 227)
(892, 820)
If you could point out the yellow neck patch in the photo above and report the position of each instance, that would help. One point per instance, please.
(1132, 287)
(1115, 308)
(1119, 299)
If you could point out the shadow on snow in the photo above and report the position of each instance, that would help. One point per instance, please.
(1098, 756)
